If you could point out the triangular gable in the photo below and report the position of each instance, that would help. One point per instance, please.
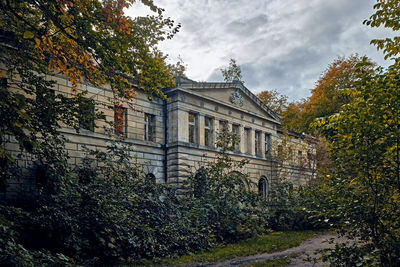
(234, 94)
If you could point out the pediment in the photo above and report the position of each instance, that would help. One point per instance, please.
(233, 94)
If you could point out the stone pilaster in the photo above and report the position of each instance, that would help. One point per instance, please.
(200, 129)
(251, 147)
(243, 141)
(183, 126)
(215, 130)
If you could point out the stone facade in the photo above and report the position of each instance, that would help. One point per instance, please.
(173, 138)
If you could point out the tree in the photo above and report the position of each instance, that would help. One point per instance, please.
(326, 98)
(81, 39)
(274, 100)
(386, 15)
(291, 116)
(365, 183)
(179, 68)
(233, 72)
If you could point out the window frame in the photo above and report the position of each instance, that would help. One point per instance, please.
(208, 131)
(192, 139)
(264, 191)
(87, 123)
(267, 144)
(149, 127)
(257, 143)
(124, 124)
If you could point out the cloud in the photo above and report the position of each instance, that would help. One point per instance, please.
(283, 45)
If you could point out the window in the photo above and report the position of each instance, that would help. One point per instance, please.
(149, 127)
(263, 187)
(121, 121)
(267, 144)
(236, 131)
(192, 128)
(208, 131)
(86, 115)
(223, 125)
(257, 143)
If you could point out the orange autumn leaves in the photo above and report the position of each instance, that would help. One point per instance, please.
(96, 41)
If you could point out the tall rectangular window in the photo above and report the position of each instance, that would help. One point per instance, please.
(257, 149)
(223, 125)
(236, 131)
(208, 131)
(121, 121)
(86, 115)
(192, 128)
(267, 144)
(149, 127)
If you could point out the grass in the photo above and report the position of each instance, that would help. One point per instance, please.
(276, 241)
(270, 263)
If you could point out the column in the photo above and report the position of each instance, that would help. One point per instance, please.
(243, 141)
(200, 129)
(183, 126)
(251, 142)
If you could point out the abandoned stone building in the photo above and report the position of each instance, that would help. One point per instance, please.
(174, 138)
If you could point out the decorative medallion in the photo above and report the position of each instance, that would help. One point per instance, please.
(236, 98)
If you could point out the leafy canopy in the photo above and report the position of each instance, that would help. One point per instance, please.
(89, 41)
(232, 72)
(386, 15)
(274, 100)
(326, 98)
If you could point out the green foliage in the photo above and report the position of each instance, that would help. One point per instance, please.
(106, 210)
(232, 72)
(274, 100)
(386, 15)
(363, 191)
(327, 97)
(272, 242)
(90, 40)
(220, 200)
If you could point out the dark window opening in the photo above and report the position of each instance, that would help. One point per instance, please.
(149, 127)
(86, 115)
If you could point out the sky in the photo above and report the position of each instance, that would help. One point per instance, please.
(279, 44)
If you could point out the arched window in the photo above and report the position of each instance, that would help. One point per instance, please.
(263, 187)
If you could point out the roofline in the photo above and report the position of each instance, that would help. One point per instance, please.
(187, 91)
(235, 84)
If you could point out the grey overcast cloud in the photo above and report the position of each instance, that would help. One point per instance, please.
(279, 44)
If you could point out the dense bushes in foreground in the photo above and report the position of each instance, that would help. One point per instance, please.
(108, 210)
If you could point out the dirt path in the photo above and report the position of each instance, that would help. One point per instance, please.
(308, 247)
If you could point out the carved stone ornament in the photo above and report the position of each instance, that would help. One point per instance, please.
(236, 98)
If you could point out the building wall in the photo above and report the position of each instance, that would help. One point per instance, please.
(170, 157)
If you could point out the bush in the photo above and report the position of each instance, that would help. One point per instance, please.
(105, 210)
(219, 201)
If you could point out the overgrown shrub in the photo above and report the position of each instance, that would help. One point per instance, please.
(220, 201)
(106, 210)
(288, 207)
